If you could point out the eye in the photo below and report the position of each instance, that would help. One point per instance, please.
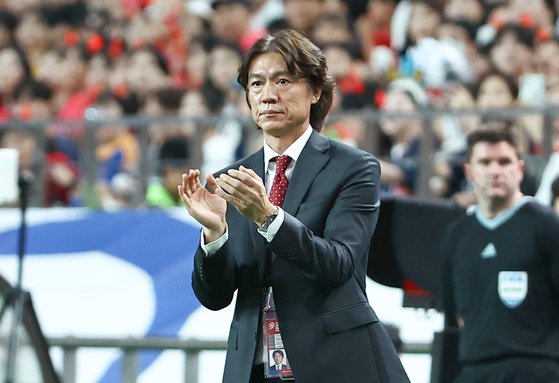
(256, 83)
(283, 81)
(505, 161)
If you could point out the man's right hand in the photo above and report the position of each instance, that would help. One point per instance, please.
(204, 206)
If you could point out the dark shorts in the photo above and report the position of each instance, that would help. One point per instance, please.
(511, 370)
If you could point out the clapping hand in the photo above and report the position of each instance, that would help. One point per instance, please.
(204, 205)
(245, 190)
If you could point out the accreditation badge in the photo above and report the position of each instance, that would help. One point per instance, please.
(277, 365)
(513, 287)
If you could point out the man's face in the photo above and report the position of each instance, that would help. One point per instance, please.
(495, 171)
(278, 358)
(280, 103)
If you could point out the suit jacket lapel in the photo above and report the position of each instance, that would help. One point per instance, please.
(309, 164)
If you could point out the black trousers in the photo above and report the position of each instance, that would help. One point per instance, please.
(257, 376)
(511, 370)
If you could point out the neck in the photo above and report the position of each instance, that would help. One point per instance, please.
(493, 207)
(280, 143)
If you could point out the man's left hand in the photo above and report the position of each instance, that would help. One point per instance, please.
(245, 190)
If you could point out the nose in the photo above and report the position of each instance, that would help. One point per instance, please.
(494, 168)
(269, 93)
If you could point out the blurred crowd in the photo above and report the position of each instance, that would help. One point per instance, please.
(68, 60)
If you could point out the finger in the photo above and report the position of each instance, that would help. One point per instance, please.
(210, 180)
(198, 183)
(192, 180)
(250, 172)
(226, 196)
(185, 186)
(229, 184)
(184, 198)
(243, 178)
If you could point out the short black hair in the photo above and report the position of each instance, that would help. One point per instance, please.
(493, 135)
(278, 352)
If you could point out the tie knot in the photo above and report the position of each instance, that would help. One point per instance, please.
(282, 162)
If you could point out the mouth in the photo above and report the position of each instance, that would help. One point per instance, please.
(270, 113)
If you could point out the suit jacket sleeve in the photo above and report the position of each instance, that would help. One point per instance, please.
(340, 239)
(214, 278)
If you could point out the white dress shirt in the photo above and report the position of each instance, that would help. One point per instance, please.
(293, 151)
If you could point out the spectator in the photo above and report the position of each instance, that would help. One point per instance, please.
(400, 170)
(373, 27)
(452, 131)
(164, 103)
(224, 59)
(14, 69)
(332, 28)
(497, 90)
(33, 36)
(301, 15)
(511, 51)
(230, 21)
(424, 19)
(174, 157)
(61, 178)
(117, 153)
(464, 32)
(146, 73)
(32, 101)
(195, 65)
(546, 63)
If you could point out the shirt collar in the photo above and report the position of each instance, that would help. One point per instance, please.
(293, 151)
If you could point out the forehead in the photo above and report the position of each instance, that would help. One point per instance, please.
(490, 150)
(493, 81)
(267, 64)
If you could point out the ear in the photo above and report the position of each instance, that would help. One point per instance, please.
(521, 166)
(316, 95)
(467, 172)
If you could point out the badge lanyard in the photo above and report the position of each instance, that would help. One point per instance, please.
(277, 364)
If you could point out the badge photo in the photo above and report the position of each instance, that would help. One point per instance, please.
(513, 287)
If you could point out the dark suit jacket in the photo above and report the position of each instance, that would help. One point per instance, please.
(330, 332)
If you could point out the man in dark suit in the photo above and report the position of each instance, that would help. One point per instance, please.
(292, 224)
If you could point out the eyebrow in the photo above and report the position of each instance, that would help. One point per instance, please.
(257, 75)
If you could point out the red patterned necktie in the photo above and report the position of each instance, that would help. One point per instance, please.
(279, 187)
